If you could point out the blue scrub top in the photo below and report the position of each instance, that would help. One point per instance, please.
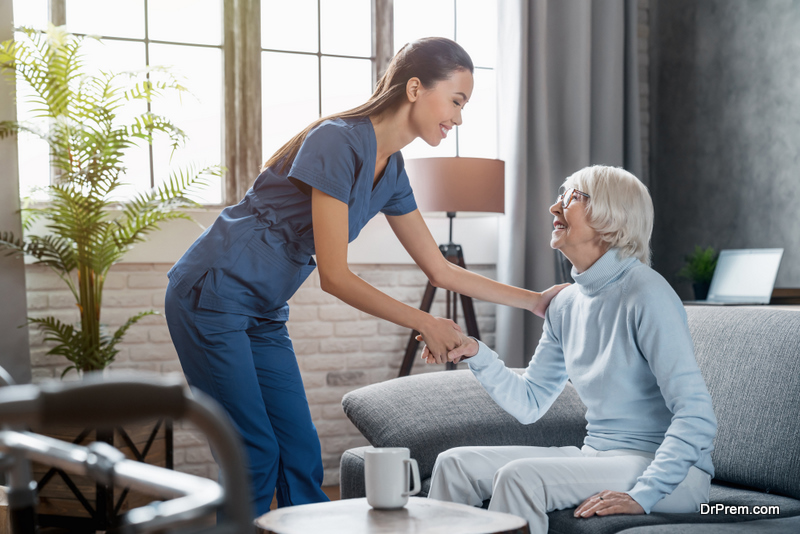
(258, 252)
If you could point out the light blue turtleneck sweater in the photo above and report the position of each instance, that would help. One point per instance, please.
(620, 334)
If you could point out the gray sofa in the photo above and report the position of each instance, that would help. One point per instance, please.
(750, 358)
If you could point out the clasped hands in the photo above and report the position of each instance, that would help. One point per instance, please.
(446, 342)
(452, 346)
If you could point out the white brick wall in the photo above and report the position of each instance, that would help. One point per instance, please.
(338, 347)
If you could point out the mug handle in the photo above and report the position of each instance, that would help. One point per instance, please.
(415, 476)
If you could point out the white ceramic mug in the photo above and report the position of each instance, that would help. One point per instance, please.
(386, 473)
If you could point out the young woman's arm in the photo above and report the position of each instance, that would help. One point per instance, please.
(415, 236)
(330, 220)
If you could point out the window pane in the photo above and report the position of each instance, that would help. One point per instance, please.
(477, 30)
(109, 19)
(346, 27)
(34, 163)
(121, 56)
(289, 25)
(200, 21)
(34, 154)
(345, 83)
(199, 113)
(31, 13)
(477, 136)
(290, 97)
(422, 18)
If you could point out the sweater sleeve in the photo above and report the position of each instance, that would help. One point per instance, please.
(527, 397)
(665, 342)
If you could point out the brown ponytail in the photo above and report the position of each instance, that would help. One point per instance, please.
(431, 59)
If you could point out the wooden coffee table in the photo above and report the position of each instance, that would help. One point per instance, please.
(355, 516)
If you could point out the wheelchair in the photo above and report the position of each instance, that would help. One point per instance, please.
(182, 502)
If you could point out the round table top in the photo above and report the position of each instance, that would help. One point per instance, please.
(420, 515)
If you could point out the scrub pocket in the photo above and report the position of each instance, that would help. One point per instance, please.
(257, 282)
(209, 323)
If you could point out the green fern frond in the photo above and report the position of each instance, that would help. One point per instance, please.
(147, 123)
(69, 342)
(111, 342)
(49, 250)
(16, 245)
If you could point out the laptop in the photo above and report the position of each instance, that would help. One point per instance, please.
(742, 277)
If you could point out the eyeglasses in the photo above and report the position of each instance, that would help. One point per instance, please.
(566, 197)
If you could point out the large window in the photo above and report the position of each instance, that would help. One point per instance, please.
(185, 35)
(316, 60)
(473, 24)
(317, 57)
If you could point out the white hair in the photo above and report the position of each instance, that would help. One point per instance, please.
(620, 208)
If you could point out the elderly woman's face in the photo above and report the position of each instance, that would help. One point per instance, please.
(572, 234)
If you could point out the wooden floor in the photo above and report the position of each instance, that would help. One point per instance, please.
(331, 491)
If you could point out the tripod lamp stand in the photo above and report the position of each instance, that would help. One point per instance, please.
(452, 185)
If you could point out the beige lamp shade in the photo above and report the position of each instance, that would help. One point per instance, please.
(457, 184)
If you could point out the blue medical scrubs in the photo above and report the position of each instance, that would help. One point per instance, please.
(226, 300)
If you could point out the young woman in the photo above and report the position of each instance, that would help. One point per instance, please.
(226, 300)
(619, 333)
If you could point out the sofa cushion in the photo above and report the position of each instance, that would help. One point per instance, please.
(750, 358)
(562, 521)
(433, 412)
(787, 525)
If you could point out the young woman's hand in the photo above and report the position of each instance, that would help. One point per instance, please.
(440, 337)
(467, 348)
(545, 297)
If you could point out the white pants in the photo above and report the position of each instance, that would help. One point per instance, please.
(531, 481)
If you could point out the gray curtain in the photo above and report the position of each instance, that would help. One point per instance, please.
(568, 98)
(14, 348)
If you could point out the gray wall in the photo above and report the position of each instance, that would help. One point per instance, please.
(725, 131)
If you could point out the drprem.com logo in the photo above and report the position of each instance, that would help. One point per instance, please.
(721, 509)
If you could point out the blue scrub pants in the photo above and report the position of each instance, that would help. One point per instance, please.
(248, 365)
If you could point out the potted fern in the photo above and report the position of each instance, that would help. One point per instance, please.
(87, 230)
(699, 269)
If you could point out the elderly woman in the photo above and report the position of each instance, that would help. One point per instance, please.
(620, 334)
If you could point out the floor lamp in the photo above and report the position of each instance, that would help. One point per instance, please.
(453, 185)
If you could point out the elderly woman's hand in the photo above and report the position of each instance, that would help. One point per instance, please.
(609, 503)
(545, 297)
(440, 336)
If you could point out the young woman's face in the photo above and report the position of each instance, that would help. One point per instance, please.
(437, 110)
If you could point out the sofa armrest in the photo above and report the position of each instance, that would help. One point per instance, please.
(351, 474)
(433, 412)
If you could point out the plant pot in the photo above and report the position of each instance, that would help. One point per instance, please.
(79, 504)
(701, 290)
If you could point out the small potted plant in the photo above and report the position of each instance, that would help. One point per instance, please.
(86, 229)
(699, 269)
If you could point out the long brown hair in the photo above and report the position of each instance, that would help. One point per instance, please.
(431, 59)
